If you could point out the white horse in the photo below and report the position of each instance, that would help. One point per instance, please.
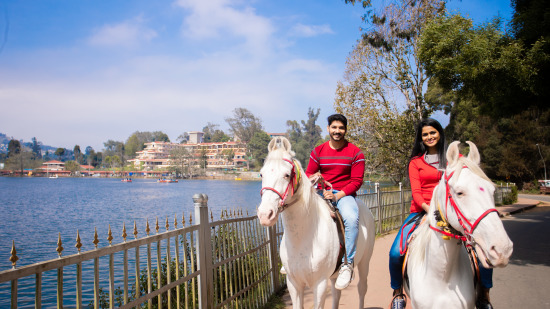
(310, 246)
(439, 270)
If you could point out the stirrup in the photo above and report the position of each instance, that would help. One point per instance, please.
(400, 303)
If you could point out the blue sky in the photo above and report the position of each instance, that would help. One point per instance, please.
(82, 72)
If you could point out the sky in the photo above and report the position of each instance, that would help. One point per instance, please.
(83, 72)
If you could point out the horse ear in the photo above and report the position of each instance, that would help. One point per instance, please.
(473, 155)
(453, 153)
(279, 142)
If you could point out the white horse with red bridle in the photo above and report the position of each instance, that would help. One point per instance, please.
(310, 245)
(462, 216)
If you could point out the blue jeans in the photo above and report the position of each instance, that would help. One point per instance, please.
(348, 208)
(396, 261)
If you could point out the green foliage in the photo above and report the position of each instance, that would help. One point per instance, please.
(305, 137)
(244, 124)
(72, 166)
(59, 152)
(258, 148)
(14, 147)
(212, 134)
(512, 197)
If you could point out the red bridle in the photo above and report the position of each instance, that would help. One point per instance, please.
(290, 188)
(467, 226)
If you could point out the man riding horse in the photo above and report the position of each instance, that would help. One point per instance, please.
(341, 164)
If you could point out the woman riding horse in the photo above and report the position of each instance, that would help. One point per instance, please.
(425, 171)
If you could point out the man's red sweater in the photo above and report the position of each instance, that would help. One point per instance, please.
(343, 168)
(424, 178)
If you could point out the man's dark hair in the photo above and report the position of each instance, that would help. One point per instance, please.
(338, 117)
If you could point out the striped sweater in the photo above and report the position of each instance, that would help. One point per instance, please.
(343, 168)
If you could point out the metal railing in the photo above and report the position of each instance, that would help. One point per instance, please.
(230, 263)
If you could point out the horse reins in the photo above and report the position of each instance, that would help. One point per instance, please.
(462, 220)
(293, 184)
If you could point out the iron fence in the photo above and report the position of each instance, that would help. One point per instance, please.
(230, 263)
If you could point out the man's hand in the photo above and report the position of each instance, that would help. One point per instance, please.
(315, 177)
(328, 195)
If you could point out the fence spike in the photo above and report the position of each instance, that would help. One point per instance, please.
(110, 235)
(190, 219)
(13, 257)
(183, 218)
(96, 239)
(175, 221)
(78, 243)
(147, 229)
(157, 227)
(167, 224)
(124, 231)
(211, 216)
(59, 248)
(135, 230)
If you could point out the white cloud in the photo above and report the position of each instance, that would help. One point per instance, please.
(220, 19)
(129, 33)
(302, 30)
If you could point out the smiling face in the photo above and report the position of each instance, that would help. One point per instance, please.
(337, 131)
(430, 138)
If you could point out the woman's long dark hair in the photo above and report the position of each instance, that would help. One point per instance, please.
(419, 148)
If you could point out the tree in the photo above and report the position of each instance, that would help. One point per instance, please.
(486, 73)
(305, 137)
(182, 162)
(243, 125)
(72, 166)
(114, 148)
(21, 160)
(78, 157)
(376, 124)
(258, 148)
(14, 147)
(60, 152)
(36, 148)
(183, 138)
(386, 61)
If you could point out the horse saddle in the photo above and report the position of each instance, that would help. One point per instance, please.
(339, 221)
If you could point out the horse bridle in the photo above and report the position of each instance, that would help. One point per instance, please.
(467, 226)
(293, 184)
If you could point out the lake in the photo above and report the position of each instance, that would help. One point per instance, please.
(33, 211)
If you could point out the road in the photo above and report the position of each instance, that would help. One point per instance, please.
(525, 283)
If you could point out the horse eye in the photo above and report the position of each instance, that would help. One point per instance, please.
(460, 193)
(261, 175)
(287, 175)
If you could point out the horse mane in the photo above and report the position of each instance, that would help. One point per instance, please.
(464, 161)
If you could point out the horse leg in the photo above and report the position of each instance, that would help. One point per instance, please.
(363, 270)
(296, 294)
(320, 294)
(335, 295)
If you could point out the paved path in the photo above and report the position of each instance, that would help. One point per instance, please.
(379, 290)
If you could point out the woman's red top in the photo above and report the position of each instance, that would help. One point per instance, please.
(424, 178)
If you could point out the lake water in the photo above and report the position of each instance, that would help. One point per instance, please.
(33, 211)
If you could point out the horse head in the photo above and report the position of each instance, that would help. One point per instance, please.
(281, 177)
(465, 199)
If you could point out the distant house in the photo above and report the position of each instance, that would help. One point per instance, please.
(53, 165)
(195, 137)
(156, 155)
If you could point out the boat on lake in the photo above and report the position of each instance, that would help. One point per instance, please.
(53, 177)
(164, 180)
(127, 180)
